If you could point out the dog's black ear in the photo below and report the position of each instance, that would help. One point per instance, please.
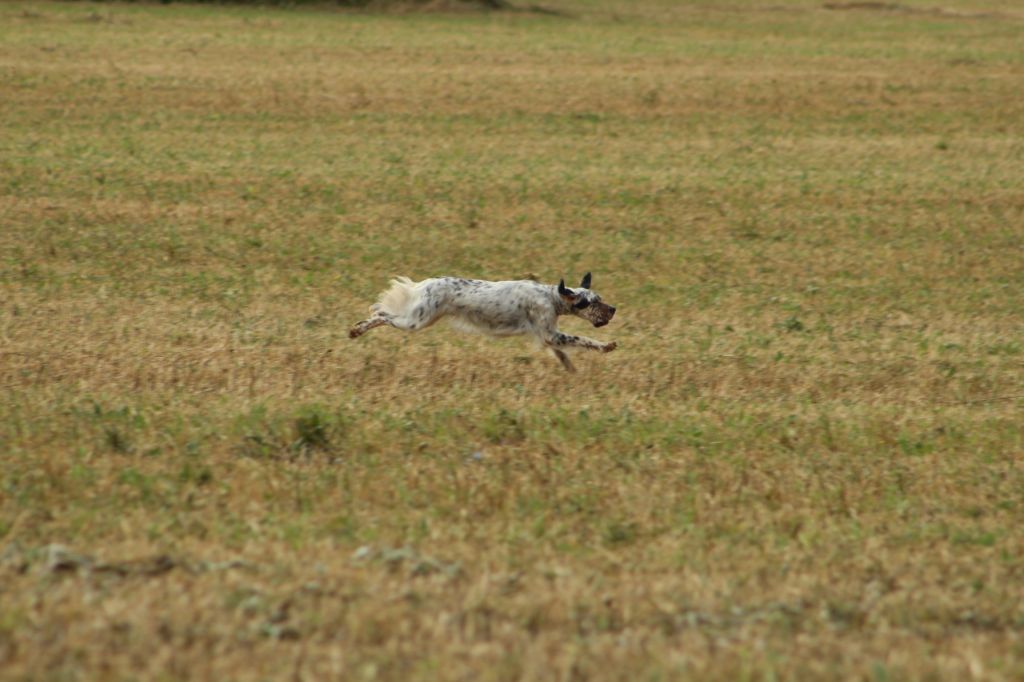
(586, 281)
(562, 290)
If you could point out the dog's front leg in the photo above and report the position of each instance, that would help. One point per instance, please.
(560, 340)
(557, 341)
(563, 357)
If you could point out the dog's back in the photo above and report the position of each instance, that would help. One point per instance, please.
(497, 308)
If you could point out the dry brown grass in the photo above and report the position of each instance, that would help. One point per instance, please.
(803, 462)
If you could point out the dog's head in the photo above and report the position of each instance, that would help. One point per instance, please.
(583, 302)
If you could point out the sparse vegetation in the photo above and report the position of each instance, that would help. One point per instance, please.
(803, 462)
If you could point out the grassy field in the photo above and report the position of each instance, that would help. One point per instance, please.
(804, 461)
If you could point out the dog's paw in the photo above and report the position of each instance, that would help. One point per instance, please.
(609, 347)
(354, 333)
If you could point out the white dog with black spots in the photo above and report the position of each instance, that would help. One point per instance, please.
(495, 308)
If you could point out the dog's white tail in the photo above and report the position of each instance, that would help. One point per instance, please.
(398, 299)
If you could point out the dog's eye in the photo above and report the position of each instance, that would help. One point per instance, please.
(581, 305)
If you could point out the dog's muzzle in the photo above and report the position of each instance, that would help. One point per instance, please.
(605, 320)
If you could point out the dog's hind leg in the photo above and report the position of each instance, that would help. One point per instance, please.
(378, 319)
(421, 316)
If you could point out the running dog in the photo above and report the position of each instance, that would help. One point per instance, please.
(495, 308)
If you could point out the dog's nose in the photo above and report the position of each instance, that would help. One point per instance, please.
(611, 309)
